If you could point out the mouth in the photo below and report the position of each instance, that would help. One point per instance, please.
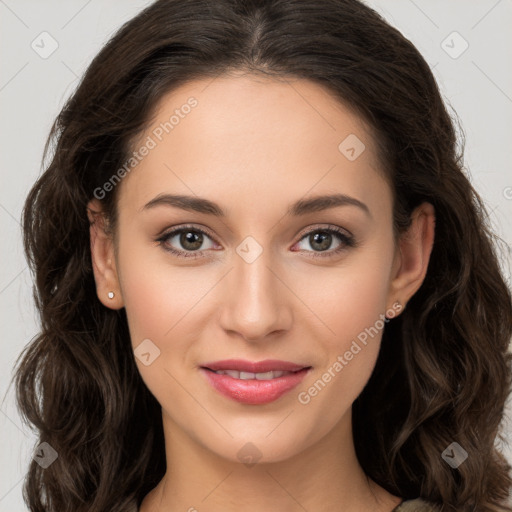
(254, 383)
(235, 374)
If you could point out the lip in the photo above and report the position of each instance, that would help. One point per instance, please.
(268, 365)
(253, 391)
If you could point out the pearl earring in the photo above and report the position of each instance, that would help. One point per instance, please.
(111, 295)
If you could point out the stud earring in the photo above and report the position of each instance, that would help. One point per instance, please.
(111, 295)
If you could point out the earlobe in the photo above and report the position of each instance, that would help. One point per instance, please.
(103, 258)
(415, 247)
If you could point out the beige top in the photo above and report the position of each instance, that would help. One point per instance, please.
(417, 505)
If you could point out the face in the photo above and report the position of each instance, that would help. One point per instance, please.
(265, 273)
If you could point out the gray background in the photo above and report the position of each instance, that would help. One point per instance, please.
(477, 83)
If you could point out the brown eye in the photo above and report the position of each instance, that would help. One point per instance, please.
(322, 240)
(191, 240)
(186, 241)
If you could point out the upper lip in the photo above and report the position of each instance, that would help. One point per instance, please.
(268, 365)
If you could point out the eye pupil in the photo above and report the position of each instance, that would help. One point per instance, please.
(323, 238)
(191, 237)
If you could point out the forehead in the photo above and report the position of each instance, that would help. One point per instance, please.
(253, 138)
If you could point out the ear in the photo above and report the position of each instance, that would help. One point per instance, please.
(103, 257)
(413, 255)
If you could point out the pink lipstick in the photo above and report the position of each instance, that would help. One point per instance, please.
(254, 382)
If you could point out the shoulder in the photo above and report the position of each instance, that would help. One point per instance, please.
(417, 505)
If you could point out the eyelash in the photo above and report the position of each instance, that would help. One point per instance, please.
(347, 241)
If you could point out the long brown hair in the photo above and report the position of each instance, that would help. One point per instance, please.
(444, 370)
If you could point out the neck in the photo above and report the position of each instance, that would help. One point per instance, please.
(326, 476)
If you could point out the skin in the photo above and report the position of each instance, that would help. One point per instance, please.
(254, 146)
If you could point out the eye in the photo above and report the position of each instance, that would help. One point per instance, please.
(321, 240)
(191, 240)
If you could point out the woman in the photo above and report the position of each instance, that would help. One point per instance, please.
(263, 277)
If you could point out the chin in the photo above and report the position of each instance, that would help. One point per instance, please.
(258, 449)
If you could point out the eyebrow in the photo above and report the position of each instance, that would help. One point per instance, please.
(301, 207)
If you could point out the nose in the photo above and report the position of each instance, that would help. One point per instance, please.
(257, 303)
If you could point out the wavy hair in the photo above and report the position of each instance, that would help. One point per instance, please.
(443, 372)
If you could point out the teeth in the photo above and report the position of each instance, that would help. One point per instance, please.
(248, 375)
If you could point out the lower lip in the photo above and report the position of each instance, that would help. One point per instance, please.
(254, 391)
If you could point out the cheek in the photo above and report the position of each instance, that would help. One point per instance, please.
(351, 298)
(157, 295)
(352, 309)
(171, 306)
(160, 303)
